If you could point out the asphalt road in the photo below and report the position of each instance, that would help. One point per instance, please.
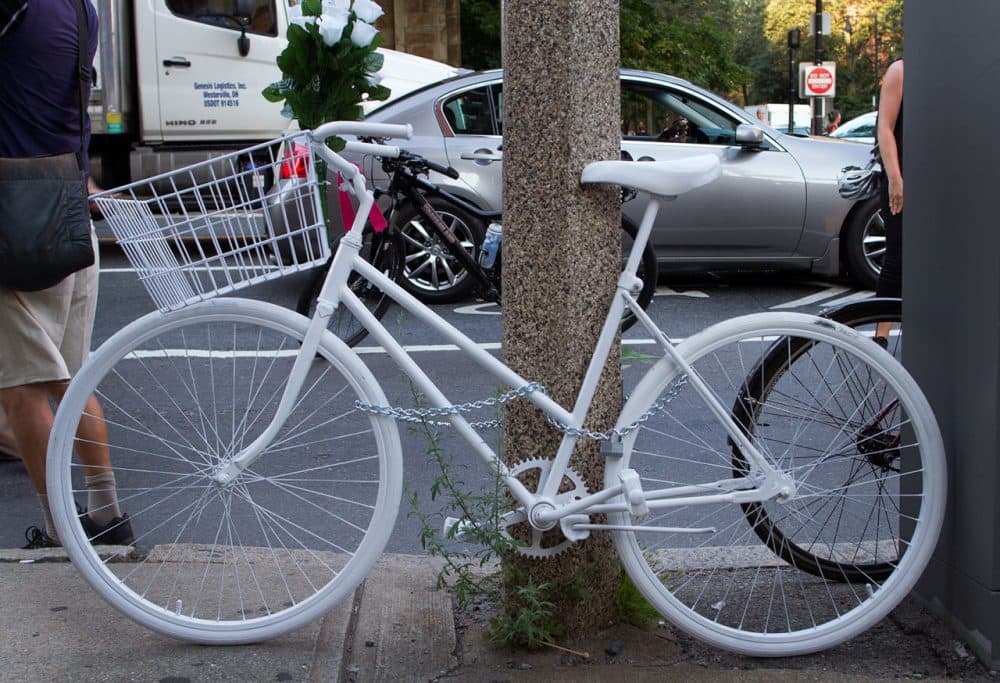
(682, 306)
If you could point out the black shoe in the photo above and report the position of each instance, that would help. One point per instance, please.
(881, 341)
(116, 532)
(37, 538)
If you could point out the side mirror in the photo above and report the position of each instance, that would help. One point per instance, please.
(749, 137)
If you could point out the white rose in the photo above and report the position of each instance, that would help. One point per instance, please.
(363, 34)
(367, 11)
(331, 27)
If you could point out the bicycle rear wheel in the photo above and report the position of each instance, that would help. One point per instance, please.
(293, 535)
(764, 393)
(384, 250)
(706, 566)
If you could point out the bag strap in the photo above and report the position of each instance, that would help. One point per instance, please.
(83, 73)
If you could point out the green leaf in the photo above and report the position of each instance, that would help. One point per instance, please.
(272, 94)
(374, 61)
(379, 92)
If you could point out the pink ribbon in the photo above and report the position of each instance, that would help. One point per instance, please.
(347, 212)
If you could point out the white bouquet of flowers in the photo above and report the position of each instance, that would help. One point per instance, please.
(330, 65)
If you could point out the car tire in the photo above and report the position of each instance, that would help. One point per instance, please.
(430, 272)
(864, 243)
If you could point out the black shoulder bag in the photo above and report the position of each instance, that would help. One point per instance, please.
(44, 217)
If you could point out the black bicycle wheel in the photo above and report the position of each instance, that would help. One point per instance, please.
(647, 271)
(431, 272)
(761, 394)
(384, 250)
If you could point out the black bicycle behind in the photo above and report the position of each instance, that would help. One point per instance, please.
(435, 236)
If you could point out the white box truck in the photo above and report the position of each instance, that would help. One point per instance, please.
(178, 81)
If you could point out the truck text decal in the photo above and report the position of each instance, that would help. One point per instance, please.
(220, 93)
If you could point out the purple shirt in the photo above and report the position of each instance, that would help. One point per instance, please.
(39, 88)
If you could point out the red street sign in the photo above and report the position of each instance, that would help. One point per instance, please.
(819, 80)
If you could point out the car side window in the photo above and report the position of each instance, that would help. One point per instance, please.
(472, 113)
(258, 16)
(654, 113)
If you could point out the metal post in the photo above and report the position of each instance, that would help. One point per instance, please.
(793, 45)
(816, 102)
(877, 74)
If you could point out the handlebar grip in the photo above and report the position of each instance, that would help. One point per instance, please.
(379, 130)
(444, 170)
(385, 151)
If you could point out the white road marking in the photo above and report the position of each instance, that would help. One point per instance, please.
(693, 293)
(827, 292)
(361, 350)
(479, 309)
(857, 296)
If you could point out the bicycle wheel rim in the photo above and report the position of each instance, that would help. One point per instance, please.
(727, 585)
(296, 532)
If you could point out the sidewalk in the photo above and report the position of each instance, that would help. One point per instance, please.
(399, 628)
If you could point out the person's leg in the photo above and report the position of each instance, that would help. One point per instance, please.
(30, 414)
(92, 448)
(890, 281)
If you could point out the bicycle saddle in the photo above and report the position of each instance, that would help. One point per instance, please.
(662, 178)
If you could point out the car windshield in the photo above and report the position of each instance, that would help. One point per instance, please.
(861, 127)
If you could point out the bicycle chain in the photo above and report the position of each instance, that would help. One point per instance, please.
(420, 415)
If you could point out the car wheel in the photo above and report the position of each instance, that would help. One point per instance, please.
(430, 272)
(864, 246)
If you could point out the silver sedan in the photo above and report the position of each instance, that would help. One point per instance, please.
(776, 207)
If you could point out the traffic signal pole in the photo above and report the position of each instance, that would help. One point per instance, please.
(793, 45)
(817, 102)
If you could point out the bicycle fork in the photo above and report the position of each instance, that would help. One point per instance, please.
(340, 268)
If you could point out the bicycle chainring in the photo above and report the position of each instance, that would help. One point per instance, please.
(532, 542)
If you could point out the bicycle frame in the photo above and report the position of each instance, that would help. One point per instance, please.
(762, 483)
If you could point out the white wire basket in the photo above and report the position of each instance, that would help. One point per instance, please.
(220, 225)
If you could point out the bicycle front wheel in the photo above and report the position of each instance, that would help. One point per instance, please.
(857, 439)
(293, 535)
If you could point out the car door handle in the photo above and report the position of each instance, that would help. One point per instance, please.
(178, 62)
(483, 156)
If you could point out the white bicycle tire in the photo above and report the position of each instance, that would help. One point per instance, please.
(358, 379)
(921, 543)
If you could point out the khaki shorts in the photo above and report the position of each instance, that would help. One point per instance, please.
(45, 335)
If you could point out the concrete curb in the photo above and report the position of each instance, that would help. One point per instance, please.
(398, 627)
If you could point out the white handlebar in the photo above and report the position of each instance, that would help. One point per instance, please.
(377, 130)
(389, 151)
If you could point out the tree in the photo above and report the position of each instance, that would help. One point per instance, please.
(691, 39)
(480, 23)
(858, 70)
